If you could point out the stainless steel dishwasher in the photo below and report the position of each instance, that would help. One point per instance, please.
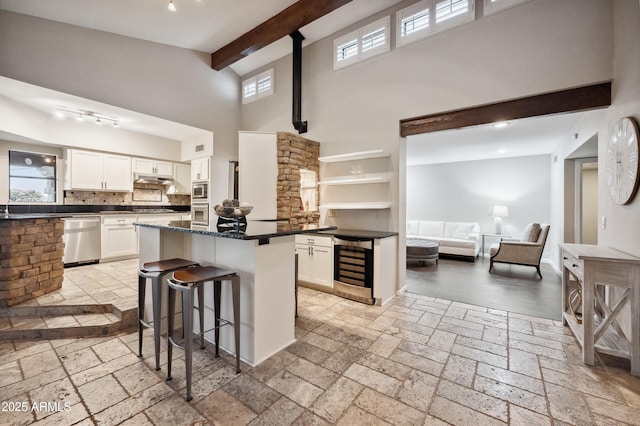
(81, 240)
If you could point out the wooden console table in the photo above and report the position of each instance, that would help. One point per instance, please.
(592, 266)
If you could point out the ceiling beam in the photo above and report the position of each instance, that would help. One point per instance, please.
(284, 23)
(578, 99)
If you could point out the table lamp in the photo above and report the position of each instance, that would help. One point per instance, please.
(498, 212)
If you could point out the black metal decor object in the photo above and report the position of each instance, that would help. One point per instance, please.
(298, 124)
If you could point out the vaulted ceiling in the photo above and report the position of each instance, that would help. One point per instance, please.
(203, 25)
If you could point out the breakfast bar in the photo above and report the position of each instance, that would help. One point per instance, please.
(262, 253)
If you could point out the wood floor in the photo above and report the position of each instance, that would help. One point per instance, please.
(513, 288)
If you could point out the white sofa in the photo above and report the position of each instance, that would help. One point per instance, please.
(457, 238)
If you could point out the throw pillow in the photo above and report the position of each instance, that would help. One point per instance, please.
(535, 233)
(530, 232)
(462, 232)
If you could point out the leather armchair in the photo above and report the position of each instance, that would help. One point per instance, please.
(521, 252)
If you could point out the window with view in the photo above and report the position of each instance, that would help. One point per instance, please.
(368, 41)
(257, 87)
(429, 16)
(32, 177)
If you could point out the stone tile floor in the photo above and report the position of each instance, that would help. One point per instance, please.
(417, 360)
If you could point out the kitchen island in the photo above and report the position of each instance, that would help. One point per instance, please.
(262, 253)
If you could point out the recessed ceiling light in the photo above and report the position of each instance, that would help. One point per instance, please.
(502, 151)
(501, 124)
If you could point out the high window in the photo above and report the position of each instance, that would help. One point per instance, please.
(492, 6)
(368, 41)
(429, 16)
(257, 87)
(32, 177)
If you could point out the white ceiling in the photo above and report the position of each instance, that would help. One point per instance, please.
(207, 25)
(531, 136)
(203, 25)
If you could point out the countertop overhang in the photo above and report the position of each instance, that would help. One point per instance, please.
(358, 233)
(254, 230)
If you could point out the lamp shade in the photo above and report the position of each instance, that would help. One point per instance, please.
(498, 210)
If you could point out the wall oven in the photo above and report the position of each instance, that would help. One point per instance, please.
(200, 214)
(353, 268)
(199, 191)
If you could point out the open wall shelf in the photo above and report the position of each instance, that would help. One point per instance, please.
(355, 181)
(362, 155)
(357, 206)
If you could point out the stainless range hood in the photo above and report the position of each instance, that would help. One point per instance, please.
(148, 178)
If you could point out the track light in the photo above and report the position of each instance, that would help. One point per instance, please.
(171, 7)
(80, 115)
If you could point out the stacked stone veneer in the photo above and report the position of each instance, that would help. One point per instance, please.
(30, 258)
(295, 153)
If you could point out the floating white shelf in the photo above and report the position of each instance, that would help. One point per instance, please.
(357, 206)
(355, 181)
(362, 155)
(308, 187)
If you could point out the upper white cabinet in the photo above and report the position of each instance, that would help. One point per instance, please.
(181, 179)
(200, 169)
(98, 171)
(152, 167)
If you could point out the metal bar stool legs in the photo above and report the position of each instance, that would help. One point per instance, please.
(155, 271)
(187, 282)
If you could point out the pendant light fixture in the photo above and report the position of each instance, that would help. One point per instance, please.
(171, 7)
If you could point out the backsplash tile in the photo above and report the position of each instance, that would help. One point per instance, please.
(143, 194)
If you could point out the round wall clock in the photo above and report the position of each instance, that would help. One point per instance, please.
(622, 161)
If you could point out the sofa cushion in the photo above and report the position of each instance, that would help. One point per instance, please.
(531, 233)
(463, 231)
(454, 242)
(431, 228)
(412, 227)
(451, 228)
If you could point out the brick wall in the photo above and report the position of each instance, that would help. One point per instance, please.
(295, 153)
(30, 258)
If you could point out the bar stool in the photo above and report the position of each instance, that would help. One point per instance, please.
(155, 271)
(187, 281)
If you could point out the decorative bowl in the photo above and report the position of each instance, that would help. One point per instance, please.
(232, 209)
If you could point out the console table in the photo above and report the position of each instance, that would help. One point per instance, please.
(590, 266)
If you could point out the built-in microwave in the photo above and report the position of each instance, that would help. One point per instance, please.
(200, 214)
(199, 191)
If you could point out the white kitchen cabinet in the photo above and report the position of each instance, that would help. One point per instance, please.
(152, 167)
(98, 171)
(119, 237)
(200, 169)
(315, 259)
(181, 180)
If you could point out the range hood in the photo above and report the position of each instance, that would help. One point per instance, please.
(149, 178)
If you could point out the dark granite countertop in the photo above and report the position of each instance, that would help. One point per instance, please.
(358, 233)
(254, 229)
(24, 216)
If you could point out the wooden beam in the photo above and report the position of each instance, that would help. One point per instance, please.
(284, 23)
(578, 99)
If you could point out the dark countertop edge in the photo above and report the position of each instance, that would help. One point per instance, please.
(18, 216)
(91, 208)
(233, 235)
(29, 216)
(359, 233)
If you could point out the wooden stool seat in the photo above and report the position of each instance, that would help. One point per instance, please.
(189, 282)
(201, 274)
(155, 271)
(168, 265)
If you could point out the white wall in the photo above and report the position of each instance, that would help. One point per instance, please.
(151, 78)
(540, 46)
(465, 191)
